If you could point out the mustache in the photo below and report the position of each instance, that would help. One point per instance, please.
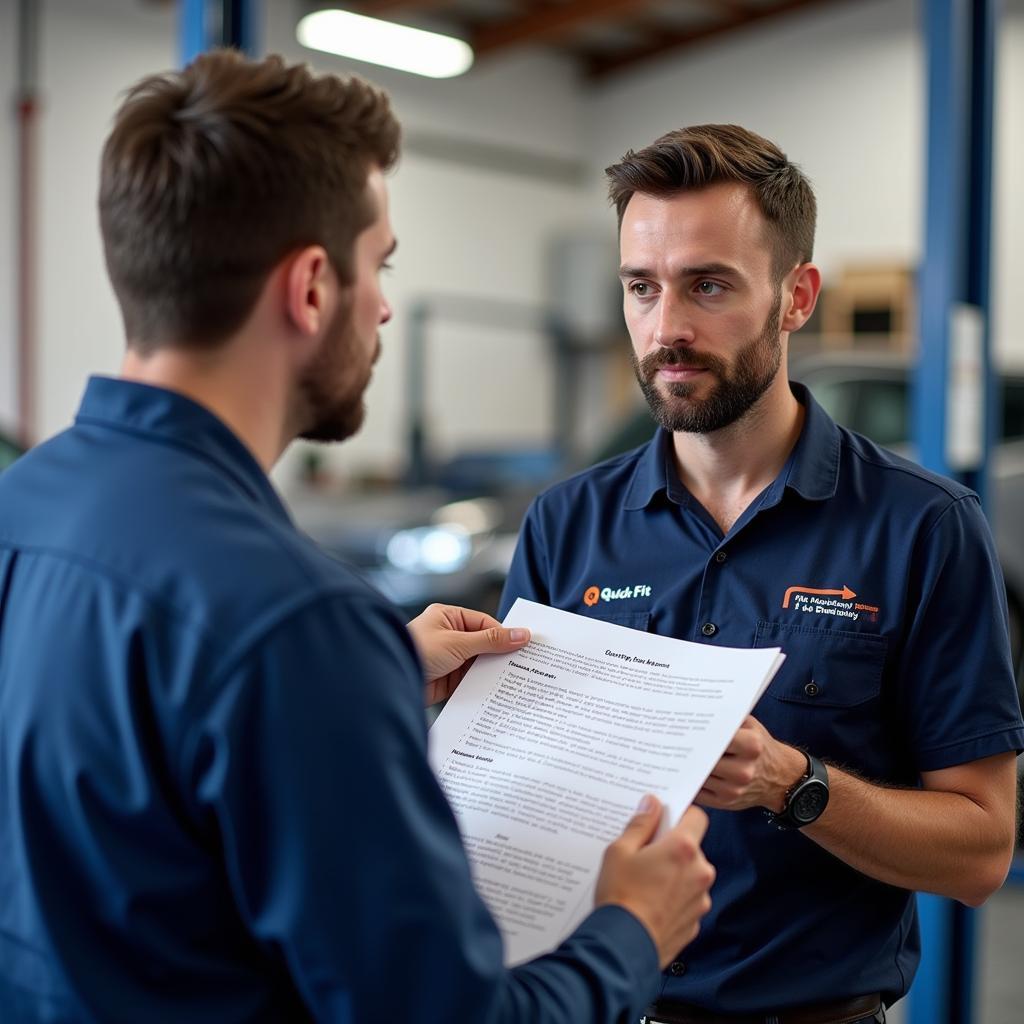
(678, 357)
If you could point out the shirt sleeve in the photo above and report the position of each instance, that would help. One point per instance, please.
(957, 690)
(528, 575)
(345, 859)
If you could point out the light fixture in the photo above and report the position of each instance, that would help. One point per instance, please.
(385, 43)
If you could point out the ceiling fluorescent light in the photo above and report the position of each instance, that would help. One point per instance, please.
(385, 43)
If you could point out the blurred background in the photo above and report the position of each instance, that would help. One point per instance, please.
(506, 364)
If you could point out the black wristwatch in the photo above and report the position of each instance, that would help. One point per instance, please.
(806, 801)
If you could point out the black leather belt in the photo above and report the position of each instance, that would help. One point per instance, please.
(843, 1011)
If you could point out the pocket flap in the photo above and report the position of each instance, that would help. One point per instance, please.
(824, 667)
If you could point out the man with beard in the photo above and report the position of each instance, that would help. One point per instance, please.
(215, 803)
(880, 760)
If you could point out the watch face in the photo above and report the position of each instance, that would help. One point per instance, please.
(808, 804)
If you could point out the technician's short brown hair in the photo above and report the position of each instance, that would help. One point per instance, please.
(214, 174)
(708, 154)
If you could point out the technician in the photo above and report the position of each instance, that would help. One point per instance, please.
(881, 759)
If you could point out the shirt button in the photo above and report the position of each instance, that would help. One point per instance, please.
(812, 689)
(677, 969)
(720, 557)
(709, 629)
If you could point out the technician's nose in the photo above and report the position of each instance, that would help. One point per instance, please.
(385, 311)
(673, 327)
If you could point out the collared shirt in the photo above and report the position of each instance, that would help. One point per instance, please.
(880, 583)
(215, 803)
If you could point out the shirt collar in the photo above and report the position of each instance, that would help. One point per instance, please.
(812, 469)
(171, 418)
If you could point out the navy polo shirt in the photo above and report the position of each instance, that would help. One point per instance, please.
(880, 583)
(215, 803)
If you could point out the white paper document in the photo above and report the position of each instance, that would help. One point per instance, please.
(544, 755)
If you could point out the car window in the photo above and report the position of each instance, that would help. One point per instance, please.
(837, 396)
(881, 412)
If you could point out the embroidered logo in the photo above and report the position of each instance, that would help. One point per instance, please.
(594, 594)
(826, 601)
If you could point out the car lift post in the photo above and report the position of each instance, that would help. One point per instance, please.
(954, 397)
(205, 24)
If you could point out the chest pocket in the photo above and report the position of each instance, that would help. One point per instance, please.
(827, 695)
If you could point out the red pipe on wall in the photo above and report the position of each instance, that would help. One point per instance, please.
(26, 267)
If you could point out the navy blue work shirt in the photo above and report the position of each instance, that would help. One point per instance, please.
(880, 583)
(215, 803)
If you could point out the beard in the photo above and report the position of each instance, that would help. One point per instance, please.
(737, 388)
(330, 390)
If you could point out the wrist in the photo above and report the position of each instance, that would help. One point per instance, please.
(792, 767)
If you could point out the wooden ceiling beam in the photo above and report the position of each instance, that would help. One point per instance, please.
(729, 8)
(546, 24)
(600, 67)
(384, 8)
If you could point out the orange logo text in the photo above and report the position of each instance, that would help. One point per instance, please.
(846, 593)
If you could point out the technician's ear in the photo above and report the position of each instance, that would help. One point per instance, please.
(800, 296)
(308, 282)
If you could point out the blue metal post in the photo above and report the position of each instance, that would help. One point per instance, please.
(954, 290)
(204, 24)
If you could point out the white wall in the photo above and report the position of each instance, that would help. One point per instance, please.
(91, 53)
(464, 230)
(841, 90)
(1008, 199)
(838, 89)
(8, 186)
(472, 232)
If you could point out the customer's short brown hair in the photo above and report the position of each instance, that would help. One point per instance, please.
(708, 154)
(212, 175)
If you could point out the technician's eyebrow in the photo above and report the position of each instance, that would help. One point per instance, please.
(705, 270)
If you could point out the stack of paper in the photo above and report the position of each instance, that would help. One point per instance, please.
(545, 753)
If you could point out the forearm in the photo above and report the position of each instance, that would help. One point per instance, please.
(941, 842)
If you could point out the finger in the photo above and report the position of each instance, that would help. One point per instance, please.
(640, 829)
(708, 802)
(693, 823)
(467, 620)
(473, 620)
(494, 639)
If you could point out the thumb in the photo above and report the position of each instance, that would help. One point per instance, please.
(494, 640)
(644, 823)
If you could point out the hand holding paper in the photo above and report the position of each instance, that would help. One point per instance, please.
(448, 638)
(756, 770)
(665, 883)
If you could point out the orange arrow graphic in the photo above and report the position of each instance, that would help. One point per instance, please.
(846, 593)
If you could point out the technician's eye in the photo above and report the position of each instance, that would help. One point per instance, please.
(641, 289)
(710, 288)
